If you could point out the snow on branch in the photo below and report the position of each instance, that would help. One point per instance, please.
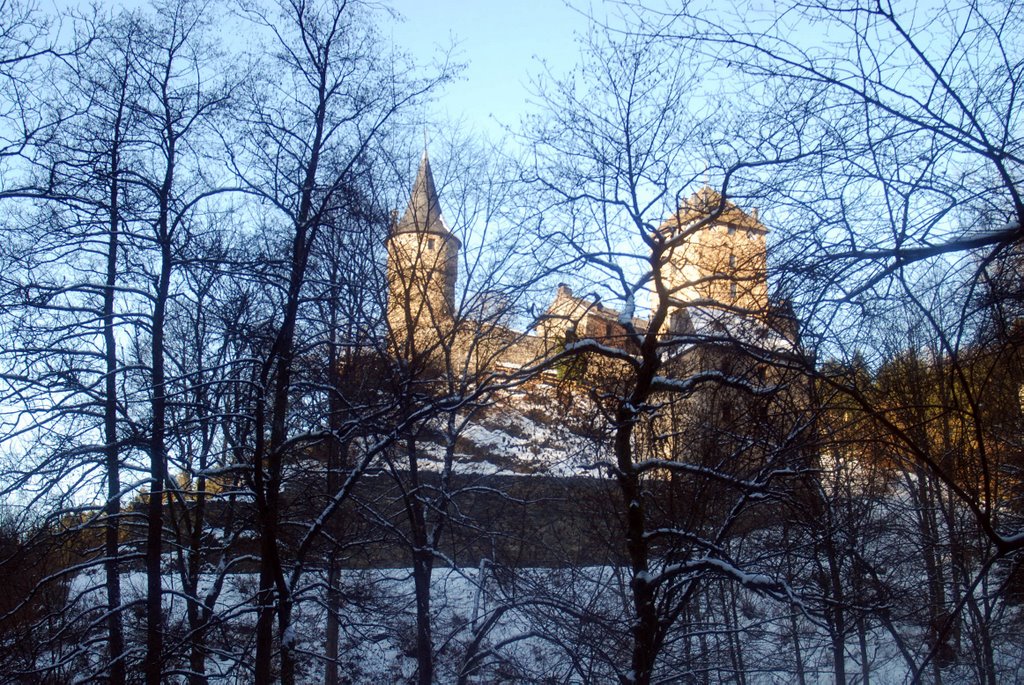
(758, 582)
(691, 382)
(693, 469)
(591, 345)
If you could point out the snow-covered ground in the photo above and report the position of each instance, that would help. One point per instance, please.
(571, 624)
(531, 640)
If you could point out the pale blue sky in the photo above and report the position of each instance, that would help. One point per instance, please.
(501, 41)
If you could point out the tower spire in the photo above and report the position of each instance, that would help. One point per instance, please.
(423, 213)
(423, 266)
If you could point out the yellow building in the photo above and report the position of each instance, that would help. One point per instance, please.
(423, 267)
(715, 270)
(716, 263)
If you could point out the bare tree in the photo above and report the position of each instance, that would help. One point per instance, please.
(331, 98)
(180, 97)
(83, 185)
(455, 291)
(31, 46)
(347, 269)
(110, 88)
(89, 277)
(209, 359)
(898, 165)
(682, 389)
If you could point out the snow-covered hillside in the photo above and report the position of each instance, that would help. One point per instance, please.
(530, 431)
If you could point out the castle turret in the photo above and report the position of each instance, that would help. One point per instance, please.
(423, 261)
(720, 266)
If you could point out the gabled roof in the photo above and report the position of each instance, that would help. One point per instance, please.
(702, 205)
(423, 214)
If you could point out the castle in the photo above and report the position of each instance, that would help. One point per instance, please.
(714, 279)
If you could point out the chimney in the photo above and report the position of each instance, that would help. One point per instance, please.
(564, 290)
(754, 213)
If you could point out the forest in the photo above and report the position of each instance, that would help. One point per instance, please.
(221, 463)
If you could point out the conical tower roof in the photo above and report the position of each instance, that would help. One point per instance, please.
(423, 214)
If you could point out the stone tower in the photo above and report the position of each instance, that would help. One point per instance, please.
(423, 263)
(721, 267)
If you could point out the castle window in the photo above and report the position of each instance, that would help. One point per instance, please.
(732, 261)
(430, 244)
(731, 230)
(732, 290)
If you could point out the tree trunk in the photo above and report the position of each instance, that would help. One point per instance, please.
(702, 641)
(865, 662)
(265, 595)
(837, 613)
(197, 615)
(334, 458)
(794, 623)
(157, 456)
(333, 606)
(157, 476)
(422, 568)
(798, 659)
(935, 583)
(861, 620)
(286, 635)
(729, 601)
(645, 626)
(112, 541)
(423, 564)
